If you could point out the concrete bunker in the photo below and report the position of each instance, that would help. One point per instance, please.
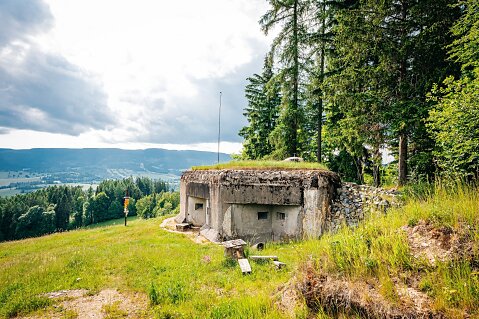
(257, 205)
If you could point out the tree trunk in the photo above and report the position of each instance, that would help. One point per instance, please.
(359, 170)
(320, 129)
(377, 175)
(321, 81)
(402, 178)
(402, 159)
(377, 160)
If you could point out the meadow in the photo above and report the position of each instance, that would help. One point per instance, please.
(183, 279)
(180, 277)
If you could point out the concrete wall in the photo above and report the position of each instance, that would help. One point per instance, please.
(232, 199)
(243, 221)
(317, 207)
(181, 217)
(291, 226)
(196, 211)
(261, 194)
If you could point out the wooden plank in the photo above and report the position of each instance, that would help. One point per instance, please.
(234, 243)
(279, 264)
(244, 265)
(263, 257)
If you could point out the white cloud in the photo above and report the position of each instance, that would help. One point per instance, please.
(161, 65)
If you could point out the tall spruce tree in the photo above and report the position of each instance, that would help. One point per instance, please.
(262, 93)
(319, 38)
(389, 55)
(290, 17)
(415, 36)
(356, 89)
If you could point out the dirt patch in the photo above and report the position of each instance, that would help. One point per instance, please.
(169, 224)
(438, 243)
(108, 303)
(339, 296)
(289, 299)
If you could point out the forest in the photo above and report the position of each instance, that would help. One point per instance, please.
(62, 208)
(348, 80)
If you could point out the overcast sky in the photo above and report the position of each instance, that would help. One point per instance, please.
(126, 73)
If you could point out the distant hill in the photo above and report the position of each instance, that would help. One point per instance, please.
(101, 161)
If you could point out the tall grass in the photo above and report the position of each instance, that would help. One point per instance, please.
(378, 249)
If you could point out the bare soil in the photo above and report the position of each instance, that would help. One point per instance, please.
(362, 299)
(108, 303)
(438, 243)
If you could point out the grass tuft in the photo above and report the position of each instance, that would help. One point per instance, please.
(113, 311)
(263, 165)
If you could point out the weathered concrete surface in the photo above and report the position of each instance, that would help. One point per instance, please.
(197, 211)
(292, 203)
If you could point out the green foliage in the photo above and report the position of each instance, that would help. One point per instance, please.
(454, 122)
(62, 208)
(362, 68)
(157, 205)
(36, 221)
(291, 18)
(466, 30)
(343, 164)
(262, 93)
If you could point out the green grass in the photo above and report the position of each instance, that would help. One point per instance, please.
(113, 222)
(263, 165)
(181, 278)
(186, 280)
(378, 251)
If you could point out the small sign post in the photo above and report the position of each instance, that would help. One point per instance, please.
(126, 201)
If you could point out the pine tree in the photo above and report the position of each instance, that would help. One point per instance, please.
(290, 16)
(262, 93)
(388, 55)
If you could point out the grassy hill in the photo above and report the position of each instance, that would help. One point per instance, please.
(184, 278)
(419, 260)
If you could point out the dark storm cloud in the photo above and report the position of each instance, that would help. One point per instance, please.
(49, 94)
(40, 91)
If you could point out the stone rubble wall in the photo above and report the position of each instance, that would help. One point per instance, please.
(353, 202)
